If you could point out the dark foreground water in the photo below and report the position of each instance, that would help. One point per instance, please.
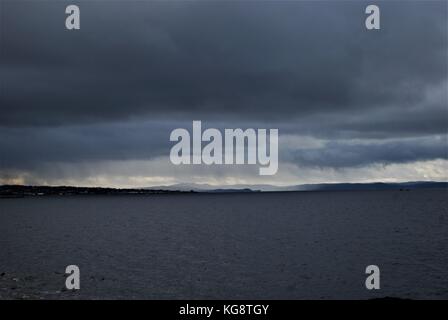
(227, 246)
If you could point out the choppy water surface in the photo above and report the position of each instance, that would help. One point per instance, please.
(227, 246)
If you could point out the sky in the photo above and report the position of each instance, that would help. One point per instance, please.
(95, 106)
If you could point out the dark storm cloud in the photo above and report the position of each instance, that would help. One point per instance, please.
(213, 60)
(29, 148)
(345, 155)
(40, 148)
(138, 69)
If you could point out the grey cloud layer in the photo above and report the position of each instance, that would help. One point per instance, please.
(344, 155)
(252, 60)
(30, 148)
(138, 69)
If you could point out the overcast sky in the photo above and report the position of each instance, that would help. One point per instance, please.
(96, 106)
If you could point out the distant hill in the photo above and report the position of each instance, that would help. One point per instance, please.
(372, 186)
(303, 187)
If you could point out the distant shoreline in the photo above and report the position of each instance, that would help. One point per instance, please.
(21, 191)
